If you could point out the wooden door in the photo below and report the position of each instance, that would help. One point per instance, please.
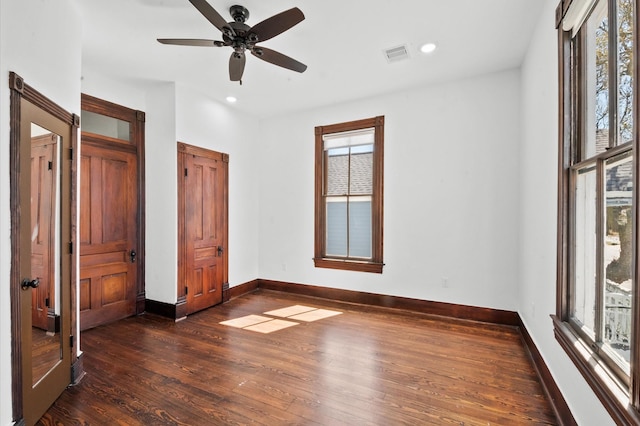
(203, 216)
(111, 212)
(45, 357)
(108, 238)
(43, 195)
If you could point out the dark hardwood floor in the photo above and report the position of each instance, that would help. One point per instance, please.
(366, 366)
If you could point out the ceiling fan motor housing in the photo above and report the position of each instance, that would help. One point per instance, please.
(239, 13)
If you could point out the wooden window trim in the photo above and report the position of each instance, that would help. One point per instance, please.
(376, 264)
(607, 388)
(621, 401)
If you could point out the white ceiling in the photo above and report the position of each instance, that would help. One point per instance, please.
(341, 42)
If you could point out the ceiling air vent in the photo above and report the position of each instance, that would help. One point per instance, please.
(396, 54)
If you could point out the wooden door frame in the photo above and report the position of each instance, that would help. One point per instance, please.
(137, 120)
(22, 91)
(186, 149)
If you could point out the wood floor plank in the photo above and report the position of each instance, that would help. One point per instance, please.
(367, 366)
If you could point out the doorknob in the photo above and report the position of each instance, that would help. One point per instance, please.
(27, 283)
(220, 250)
(132, 255)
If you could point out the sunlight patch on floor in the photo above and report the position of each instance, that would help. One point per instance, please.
(289, 311)
(315, 315)
(268, 324)
(271, 326)
(247, 321)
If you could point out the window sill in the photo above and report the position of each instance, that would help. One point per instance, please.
(606, 387)
(349, 265)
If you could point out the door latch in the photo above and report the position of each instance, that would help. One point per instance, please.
(220, 250)
(28, 283)
(132, 256)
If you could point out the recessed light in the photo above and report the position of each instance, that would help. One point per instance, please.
(231, 99)
(428, 47)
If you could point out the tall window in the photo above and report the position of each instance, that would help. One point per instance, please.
(597, 312)
(348, 194)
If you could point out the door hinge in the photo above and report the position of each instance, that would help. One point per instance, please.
(46, 302)
(70, 248)
(186, 172)
(50, 166)
(71, 154)
(186, 290)
(71, 341)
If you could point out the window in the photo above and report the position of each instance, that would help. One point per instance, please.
(597, 258)
(348, 195)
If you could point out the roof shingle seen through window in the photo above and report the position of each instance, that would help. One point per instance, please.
(361, 174)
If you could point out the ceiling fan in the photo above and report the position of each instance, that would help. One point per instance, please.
(241, 37)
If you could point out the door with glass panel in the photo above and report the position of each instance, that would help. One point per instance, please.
(45, 259)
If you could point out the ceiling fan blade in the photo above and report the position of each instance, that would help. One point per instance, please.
(236, 66)
(213, 16)
(277, 58)
(188, 42)
(277, 24)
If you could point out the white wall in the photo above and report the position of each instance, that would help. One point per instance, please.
(450, 193)
(161, 186)
(34, 52)
(538, 192)
(101, 86)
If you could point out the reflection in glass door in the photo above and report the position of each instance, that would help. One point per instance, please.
(45, 338)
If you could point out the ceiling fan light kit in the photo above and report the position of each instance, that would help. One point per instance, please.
(241, 37)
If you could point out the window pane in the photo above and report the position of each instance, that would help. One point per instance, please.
(336, 227)
(337, 171)
(104, 125)
(361, 170)
(584, 297)
(625, 70)
(597, 76)
(360, 227)
(618, 251)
